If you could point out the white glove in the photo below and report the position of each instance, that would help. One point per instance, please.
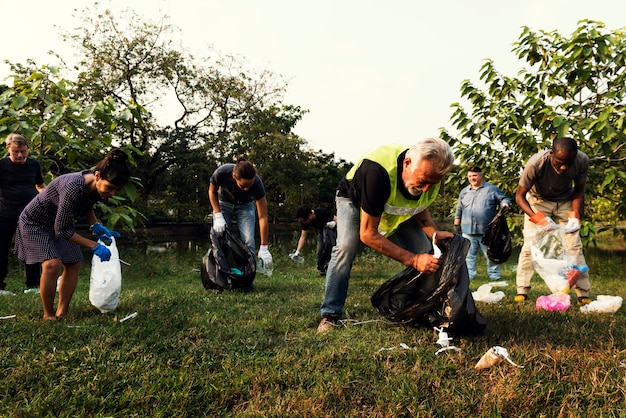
(573, 225)
(331, 224)
(264, 254)
(219, 223)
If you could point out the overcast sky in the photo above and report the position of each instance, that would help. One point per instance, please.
(369, 72)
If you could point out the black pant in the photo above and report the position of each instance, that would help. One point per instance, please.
(326, 240)
(32, 272)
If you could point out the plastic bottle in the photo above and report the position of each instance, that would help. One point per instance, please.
(296, 258)
(264, 269)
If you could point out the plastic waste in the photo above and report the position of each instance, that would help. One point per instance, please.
(296, 258)
(494, 356)
(573, 274)
(603, 304)
(557, 269)
(444, 341)
(263, 268)
(484, 294)
(555, 302)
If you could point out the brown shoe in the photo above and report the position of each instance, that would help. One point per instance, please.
(325, 325)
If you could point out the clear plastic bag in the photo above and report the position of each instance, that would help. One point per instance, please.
(105, 283)
(551, 262)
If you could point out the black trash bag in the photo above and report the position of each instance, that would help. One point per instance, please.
(442, 299)
(497, 238)
(329, 240)
(228, 264)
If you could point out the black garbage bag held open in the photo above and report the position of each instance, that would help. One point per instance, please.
(497, 238)
(228, 264)
(442, 299)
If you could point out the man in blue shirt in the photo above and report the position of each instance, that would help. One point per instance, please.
(477, 206)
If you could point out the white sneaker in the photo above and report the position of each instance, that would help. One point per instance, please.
(34, 290)
(6, 293)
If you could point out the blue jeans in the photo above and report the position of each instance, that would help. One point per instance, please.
(493, 269)
(409, 236)
(246, 221)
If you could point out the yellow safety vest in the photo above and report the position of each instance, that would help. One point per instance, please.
(398, 208)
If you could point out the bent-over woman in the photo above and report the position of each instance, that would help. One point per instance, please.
(46, 232)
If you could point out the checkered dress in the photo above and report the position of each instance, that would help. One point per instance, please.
(47, 222)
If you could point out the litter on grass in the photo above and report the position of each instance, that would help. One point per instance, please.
(559, 302)
(8, 317)
(126, 318)
(444, 341)
(494, 356)
(484, 293)
(403, 346)
(603, 304)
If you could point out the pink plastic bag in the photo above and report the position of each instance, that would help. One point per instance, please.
(554, 302)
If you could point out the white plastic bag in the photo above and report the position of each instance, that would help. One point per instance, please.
(484, 293)
(105, 283)
(604, 304)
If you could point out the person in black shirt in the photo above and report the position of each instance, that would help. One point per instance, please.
(20, 180)
(233, 191)
(325, 223)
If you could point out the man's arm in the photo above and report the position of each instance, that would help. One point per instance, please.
(264, 225)
(578, 199)
(302, 240)
(425, 221)
(214, 198)
(370, 236)
(522, 202)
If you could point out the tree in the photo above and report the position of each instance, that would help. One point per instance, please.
(571, 86)
(137, 61)
(65, 133)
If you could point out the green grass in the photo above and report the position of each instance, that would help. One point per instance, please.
(192, 352)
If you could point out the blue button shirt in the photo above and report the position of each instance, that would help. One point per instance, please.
(477, 207)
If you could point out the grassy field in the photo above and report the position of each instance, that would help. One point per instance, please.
(192, 353)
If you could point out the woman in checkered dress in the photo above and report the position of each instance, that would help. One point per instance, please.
(46, 233)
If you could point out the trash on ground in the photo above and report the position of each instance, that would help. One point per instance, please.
(126, 318)
(484, 294)
(444, 341)
(603, 304)
(494, 356)
(555, 302)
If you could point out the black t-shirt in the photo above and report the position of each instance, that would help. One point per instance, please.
(17, 185)
(228, 191)
(322, 217)
(370, 187)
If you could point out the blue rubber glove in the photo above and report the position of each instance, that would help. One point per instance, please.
(102, 251)
(102, 232)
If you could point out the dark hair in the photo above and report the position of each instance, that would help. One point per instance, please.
(113, 168)
(244, 169)
(565, 144)
(303, 212)
(474, 169)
